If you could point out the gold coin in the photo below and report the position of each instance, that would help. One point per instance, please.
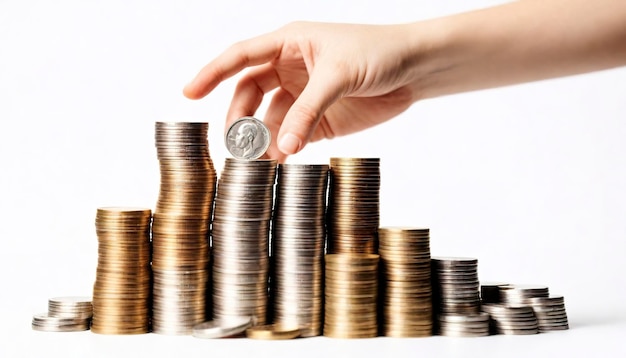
(273, 332)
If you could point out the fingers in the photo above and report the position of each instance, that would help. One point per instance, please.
(323, 89)
(246, 53)
(250, 91)
(281, 102)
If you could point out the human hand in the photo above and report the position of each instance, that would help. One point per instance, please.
(330, 80)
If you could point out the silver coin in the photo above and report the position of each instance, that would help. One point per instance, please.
(247, 138)
(225, 327)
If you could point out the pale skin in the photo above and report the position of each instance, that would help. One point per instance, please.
(337, 79)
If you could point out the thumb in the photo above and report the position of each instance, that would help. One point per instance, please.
(323, 89)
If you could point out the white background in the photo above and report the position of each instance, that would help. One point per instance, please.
(529, 179)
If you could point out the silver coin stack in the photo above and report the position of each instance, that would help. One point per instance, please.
(180, 228)
(297, 248)
(549, 310)
(550, 313)
(70, 306)
(455, 288)
(515, 295)
(472, 325)
(405, 281)
(240, 239)
(65, 314)
(490, 291)
(520, 320)
(353, 214)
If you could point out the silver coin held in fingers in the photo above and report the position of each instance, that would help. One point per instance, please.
(247, 138)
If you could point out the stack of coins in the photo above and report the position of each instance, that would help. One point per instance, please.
(406, 283)
(472, 325)
(549, 310)
(550, 313)
(511, 320)
(490, 291)
(297, 250)
(180, 231)
(240, 238)
(515, 295)
(353, 205)
(455, 286)
(70, 306)
(65, 314)
(121, 293)
(351, 296)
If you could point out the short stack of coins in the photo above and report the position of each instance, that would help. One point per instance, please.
(464, 325)
(240, 239)
(549, 310)
(121, 292)
(180, 231)
(353, 215)
(520, 320)
(406, 293)
(456, 289)
(490, 291)
(65, 314)
(351, 295)
(297, 252)
(550, 313)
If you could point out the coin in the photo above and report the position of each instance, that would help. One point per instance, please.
(273, 332)
(220, 328)
(247, 138)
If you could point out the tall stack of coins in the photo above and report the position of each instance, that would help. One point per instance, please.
(456, 289)
(353, 205)
(351, 296)
(121, 293)
(406, 287)
(180, 231)
(240, 238)
(298, 237)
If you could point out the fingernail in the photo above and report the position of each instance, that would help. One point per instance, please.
(289, 144)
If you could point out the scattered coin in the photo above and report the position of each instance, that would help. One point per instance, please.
(247, 138)
(221, 328)
(273, 332)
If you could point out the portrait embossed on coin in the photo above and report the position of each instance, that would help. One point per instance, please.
(247, 138)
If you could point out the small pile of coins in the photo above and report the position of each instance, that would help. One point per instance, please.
(121, 293)
(549, 311)
(509, 320)
(65, 314)
(351, 296)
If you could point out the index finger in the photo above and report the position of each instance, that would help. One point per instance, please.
(251, 52)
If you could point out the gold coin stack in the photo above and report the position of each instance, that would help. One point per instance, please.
(351, 296)
(353, 205)
(297, 255)
(121, 293)
(180, 229)
(406, 286)
(240, 239)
